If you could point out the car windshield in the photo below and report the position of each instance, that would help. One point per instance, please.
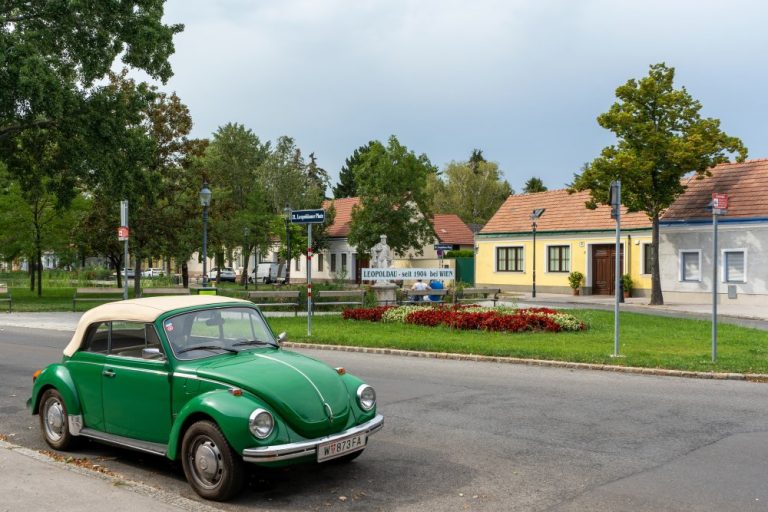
(214, 331)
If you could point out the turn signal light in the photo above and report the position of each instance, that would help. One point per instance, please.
(341, 371)
(36, 375)
(236, 391)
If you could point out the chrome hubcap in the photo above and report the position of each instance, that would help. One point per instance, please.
(54, 419)
(206, 461)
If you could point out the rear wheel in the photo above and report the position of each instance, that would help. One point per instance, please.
(211, 466)
(54, 420)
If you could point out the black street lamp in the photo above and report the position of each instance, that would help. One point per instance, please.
(288, 211)
(205, 201)
(535, 215)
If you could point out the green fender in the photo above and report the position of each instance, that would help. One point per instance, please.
(57, 376)
(231, 414)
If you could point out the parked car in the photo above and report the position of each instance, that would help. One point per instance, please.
(131, 273)
(153, 272)
(200, 379)
(227, 274)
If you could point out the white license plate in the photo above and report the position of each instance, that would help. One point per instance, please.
(333, 449)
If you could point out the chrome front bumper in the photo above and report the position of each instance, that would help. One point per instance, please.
(289, 451)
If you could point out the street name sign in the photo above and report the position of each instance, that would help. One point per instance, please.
(443, 247)
(308, 216)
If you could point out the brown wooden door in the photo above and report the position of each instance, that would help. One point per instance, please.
(603, 269)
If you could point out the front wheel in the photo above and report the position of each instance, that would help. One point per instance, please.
(212, 468)
(54, 421)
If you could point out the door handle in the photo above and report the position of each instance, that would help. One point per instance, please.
(108, 373)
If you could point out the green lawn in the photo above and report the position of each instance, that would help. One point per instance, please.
(646, 341)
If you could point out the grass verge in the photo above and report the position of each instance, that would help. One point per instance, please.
(646, 341)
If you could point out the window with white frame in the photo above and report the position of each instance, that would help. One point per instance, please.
(298, 263)
(735, 266)
(509, 259)
(558, 258)
(690, 265)
(343, 262)
(320, 262)
(333, 262)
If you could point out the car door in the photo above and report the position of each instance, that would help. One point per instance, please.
(136, 386)
(86, 367)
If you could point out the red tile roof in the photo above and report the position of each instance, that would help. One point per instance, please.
(450, 229)
(564, 212)
(745, 183)
(340, 226)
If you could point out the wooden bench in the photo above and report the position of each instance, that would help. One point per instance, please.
(284, 299)
(96, 295)
(5, 296)
(408, 296)
(354, 298)
(473, 294)
(165, 291)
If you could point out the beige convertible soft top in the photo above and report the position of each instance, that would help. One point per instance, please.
(139, 310)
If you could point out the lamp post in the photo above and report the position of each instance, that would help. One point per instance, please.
(205, 201)
(535, 215)
(288, 211)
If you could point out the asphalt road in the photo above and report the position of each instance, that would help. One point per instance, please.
(480, 436)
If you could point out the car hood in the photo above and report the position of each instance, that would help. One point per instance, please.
(309, 395)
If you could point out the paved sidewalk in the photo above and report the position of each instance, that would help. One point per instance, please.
(32, 481)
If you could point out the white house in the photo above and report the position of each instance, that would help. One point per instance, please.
(686, 234)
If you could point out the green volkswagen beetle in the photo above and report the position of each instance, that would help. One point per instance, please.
(202, 379)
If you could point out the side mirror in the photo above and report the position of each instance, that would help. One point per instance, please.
(152, 353)
(282, 337)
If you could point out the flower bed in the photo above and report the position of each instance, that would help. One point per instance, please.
(469, 317)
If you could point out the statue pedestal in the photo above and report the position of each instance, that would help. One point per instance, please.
(386, 293)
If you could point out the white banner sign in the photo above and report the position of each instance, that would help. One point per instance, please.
(402, 274)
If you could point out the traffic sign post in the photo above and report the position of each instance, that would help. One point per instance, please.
(719, 205)
(308, 217)
(123, 233)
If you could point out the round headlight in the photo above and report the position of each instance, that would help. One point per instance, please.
(261, 423)
(366, 397)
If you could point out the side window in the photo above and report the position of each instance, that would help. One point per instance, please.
(98, 338)
(126, 336)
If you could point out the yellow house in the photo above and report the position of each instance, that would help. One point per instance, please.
(569, 237)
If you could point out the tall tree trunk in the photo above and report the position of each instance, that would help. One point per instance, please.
(246, 257)
(39, 263)
(184, 275)
(657, 299)
(115, 261)
(31, 270)
(137, 271)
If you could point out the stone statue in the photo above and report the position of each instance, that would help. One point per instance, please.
(381, 254)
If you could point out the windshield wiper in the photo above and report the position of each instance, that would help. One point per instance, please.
(251, 342)
(206, 347)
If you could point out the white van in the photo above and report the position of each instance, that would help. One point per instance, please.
(269, 273)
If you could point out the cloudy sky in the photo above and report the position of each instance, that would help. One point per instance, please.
(523, 80)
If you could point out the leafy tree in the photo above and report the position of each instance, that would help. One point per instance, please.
(534, 185)
(391, 182)
(472, 193)
(661, 138)
(347, 186)
(54, 51)
(475, 159)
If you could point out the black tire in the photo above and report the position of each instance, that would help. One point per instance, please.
(54, 420)
(344, 459)
(211, 466)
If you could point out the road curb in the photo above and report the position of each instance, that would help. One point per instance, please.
(143, 489)
(660, 372)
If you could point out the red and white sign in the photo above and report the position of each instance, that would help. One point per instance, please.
(123, 233)
(719, 201)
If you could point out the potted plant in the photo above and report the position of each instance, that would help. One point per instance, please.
(575, 279)
(626, 285)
